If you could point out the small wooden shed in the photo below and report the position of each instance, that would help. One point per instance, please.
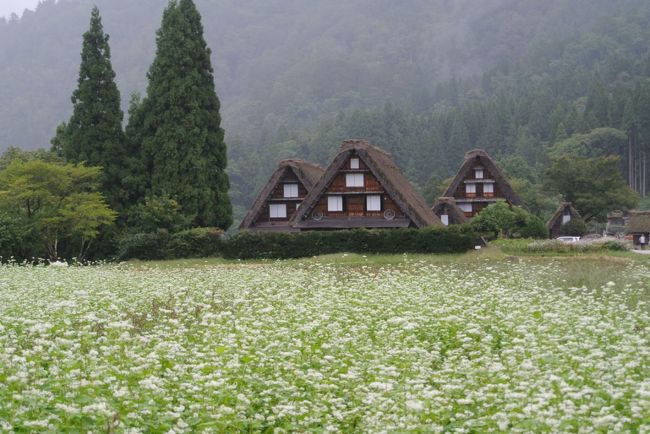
(563, 215)
(448, 212)
(639, 224)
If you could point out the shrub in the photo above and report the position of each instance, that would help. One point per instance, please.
(195, 243)
(191, 243)
(151, 245)
(154, 214)
(587, 246)
(574, 227)
(502, 219)
(249, 245)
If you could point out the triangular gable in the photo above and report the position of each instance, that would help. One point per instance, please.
(383, 168)
(559, 212)
(480, 157)
(447, 205)
(306, 173)
(639, 222)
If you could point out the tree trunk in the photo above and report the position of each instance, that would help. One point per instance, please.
(83, 249)
(52, 249)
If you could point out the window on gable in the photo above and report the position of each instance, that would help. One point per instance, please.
(470, 188)
(444, 219)
(278, 210)
(290, 190)
(488, 188)
(335, 203)
(465, 207)
(478, 173)
(373, 202)
(566, 218)
(354, 163)
(354, 179)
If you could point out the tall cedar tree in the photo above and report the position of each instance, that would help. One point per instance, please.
(94, 133)
(178, 122)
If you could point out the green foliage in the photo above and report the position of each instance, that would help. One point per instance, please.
(147, 245)
(55, 202)
(593, 185)
(94, 135)
(249, 245)
(599, 142)
(156, 213)
(554, 246)
(574, 227)
(178, 122)
(15, 239)
(524, 246)
(503, 220)
(191, 243)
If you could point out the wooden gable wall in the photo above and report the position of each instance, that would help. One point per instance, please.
(354, 198)
(277, 197)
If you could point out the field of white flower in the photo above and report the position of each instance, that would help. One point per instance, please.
(472, 347)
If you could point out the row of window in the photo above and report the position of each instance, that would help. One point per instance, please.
(334, 203)
(471, 188)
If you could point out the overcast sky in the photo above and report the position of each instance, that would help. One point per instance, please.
(17, 6)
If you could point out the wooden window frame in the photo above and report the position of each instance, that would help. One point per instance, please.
(276, 206)
(381, 203)
(339, 198)
(291, 184)
(354, 176)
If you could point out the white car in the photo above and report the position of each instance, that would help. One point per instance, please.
(568, 239)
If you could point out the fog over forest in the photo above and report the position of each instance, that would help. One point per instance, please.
(427, 80)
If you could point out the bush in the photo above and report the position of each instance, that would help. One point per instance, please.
(195, 243)
(574, 227)
(533, 227)
(587, 246)
(502, 219)
(276, 245)
(152, 245)
(191, 243)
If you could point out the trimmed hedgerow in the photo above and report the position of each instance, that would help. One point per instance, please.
(253, 245)
(191, 243)
(203, 242)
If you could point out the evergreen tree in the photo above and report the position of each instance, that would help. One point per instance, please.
(183, 148)
(94, 132)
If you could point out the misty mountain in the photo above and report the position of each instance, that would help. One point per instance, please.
(288, 61)
(426, 80)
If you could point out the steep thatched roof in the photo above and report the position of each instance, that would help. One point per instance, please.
(480, 157)
(385, 170)
(559, 212)
(639, 222)
(447, 205)
(307, 173)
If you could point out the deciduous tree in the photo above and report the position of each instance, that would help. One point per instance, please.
(593, 185)
(55, 202)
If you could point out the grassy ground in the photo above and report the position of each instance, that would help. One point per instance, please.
(588, 270)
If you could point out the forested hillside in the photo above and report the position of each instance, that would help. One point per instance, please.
(425, 80)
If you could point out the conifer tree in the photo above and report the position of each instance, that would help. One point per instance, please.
(94, 132)
(183, 148)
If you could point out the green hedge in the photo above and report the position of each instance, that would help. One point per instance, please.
(191, 243)
(204, 242)
(255, 245)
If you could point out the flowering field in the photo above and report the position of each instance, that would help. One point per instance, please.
(315, 347)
